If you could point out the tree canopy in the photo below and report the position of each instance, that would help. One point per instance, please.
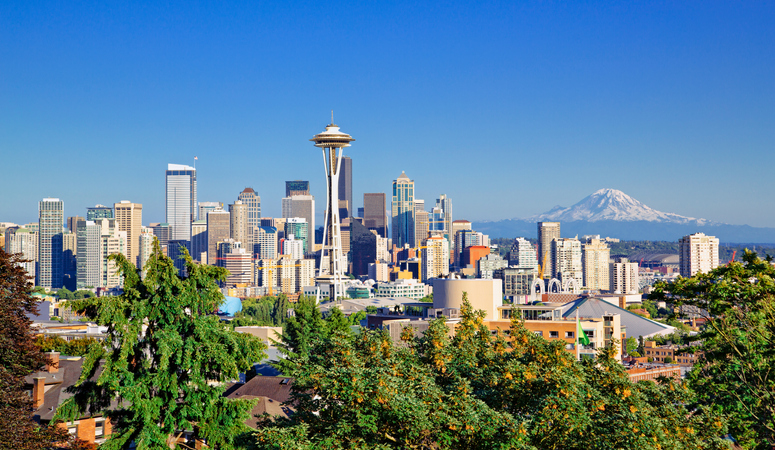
(735, 376)
(166, 359)
(472, 391)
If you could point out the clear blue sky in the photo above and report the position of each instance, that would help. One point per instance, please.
(509, 108)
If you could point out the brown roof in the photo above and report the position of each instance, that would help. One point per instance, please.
(248, 189)
(275, 388)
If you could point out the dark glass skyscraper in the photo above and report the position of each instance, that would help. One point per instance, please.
(297, 187)
(346, 183)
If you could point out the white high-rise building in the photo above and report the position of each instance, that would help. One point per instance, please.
(89, 259)
(50, 228)
(265, 239)
(249, 197)
(24, 241)
(146, 247)
(293, 248)
(698, 253)
(624, 277)
(594, 257)
(523, 254)
(238, 228)
(181, 206)
(566, 260)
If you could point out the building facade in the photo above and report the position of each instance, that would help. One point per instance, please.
(375, 213)
(595, 260)
(129, 218)
(239, 229)
(566, 260)
(403, 211)
(180, 195)
(523, 254)
(435, 258)
(346, 184)
(624, 277)
(302, 206)
(51, 218)
(698, 254)
(253, 201)
(547, 231)
(218, 229)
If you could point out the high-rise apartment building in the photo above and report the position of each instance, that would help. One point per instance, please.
(547, 231)
(129, 218)
(302, 206)
(69, 254)
(218, 230)
(163, 232)
(98, 212)
(292, 247)
(375, 213)
(624, 277)
(72, 223)
(89, 259)
(113, 241)
(595, 260)
(253, 201)
(297, 187)
(403, 225)
(299, 229)
(346, 183)
(435, 258)
(238, 261)
(523, 254)
(566, 260)
(238, 228)
(50, 223)
(181, 206)
(23, 241)
(265, 246)
(698, 254)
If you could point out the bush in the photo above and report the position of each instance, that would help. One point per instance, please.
(668, 360)
(635, 354)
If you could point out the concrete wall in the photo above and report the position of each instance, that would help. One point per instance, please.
(483, 294)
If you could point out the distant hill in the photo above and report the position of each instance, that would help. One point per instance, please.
(612, 213)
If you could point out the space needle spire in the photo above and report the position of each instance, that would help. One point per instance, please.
(332, 260)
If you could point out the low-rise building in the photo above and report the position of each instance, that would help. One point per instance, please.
(659, 353)
(403, 288)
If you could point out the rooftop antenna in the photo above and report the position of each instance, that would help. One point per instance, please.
(195, 158)
(332, 117)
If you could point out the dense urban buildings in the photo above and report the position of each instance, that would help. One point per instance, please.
(181, 205)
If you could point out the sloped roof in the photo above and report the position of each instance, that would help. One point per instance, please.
(590, 307)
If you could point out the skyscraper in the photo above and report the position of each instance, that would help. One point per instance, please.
(88, 261)
(523, 254)
(218, 230)
(24, 241)
(403, 211)
(302, 206)
(547, 231)
(421, 226)
(199, 240)
(265, 246)
(375, 213)
(181, 206)
(206, 207)
(346, 183)
(249, 197)
(238, 227)
(624, 277)
(594, 257)
(435, 258)
(566, 260)
(129, 218)
(698, 253)
(299, 229)
(297, 187)
(50, 224)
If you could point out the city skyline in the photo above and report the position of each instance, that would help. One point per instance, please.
(672, 104)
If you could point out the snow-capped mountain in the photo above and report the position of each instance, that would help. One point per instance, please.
(611, 204)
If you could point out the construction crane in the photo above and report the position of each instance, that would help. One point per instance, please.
(542, 265)
(733, 257)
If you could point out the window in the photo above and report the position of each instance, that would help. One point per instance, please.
(99, 428)
(554, 334)
(569, 334)
(539, 333)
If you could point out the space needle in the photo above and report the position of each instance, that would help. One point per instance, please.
(332, 261)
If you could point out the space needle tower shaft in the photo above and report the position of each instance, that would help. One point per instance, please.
(332, 260)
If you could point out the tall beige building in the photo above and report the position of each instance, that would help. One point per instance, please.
(239, 229)
(218, 229)
(595, 259)
(624, 277)
(547, 231)
(698, 253)
(420, 226)
(435, 258)
(129, 218)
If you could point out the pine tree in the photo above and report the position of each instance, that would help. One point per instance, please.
(167, 358)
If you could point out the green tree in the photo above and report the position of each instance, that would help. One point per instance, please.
(302, 330)
(19, 356)
(167, 358)
(630, 345)
(356, 317)
(336, 322)
(736, 374)
(65, 294)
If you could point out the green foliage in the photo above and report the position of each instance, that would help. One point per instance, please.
(651, 307)
(355, 318)
(166, 350)
(427, 299)
(266, 311)
(736, 376)
(630, 345)
(472, 391)
(305, 327)
(336, 322)
(635, 354)
(371, 309)
(75, 347)
(668, 360)
(65, 294)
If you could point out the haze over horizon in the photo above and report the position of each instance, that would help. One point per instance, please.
(508, 109)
